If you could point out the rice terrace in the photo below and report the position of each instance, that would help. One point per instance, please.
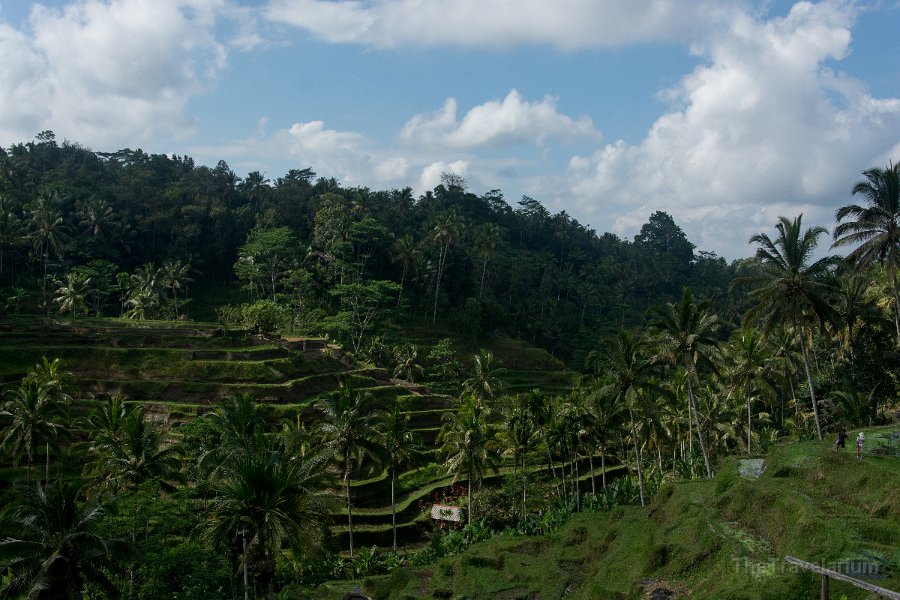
(466, 300)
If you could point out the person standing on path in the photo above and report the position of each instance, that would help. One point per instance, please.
(860, 440)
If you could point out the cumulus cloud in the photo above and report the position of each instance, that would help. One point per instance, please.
(508, 122)
(431, 174)
(765, 127)
(108, 73)
(344, 155)
(568, 25)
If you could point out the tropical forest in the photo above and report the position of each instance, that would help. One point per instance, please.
(215, 386)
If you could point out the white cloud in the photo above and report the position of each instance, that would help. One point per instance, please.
(765, 128)
(431, 174)
(569, 24)
(108, 73)
(508, 122)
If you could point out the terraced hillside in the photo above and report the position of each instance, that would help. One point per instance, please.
(179, 371)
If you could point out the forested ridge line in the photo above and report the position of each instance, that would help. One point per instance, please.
(184, 232)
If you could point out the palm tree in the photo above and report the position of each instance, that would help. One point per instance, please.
(107, 421)
(240, 425)
(48, 233)
(36, 415)
(687, 331)
(266, 503)
(518, 435)
(57, 548)
(445, 231)
(790, 289)
(175, 275)
(401, 447)
(97, 218)
(12, 231)
(348, 433)
(406, 252)
(487, 238)
(751, 363)
(72, 295)
(875, 227)
(629, 368)
(138, 453)
(407, 366)
(485, 383)
(144, 292)
(854, 304)
(605, 416)
(15, 300)
(467, 445)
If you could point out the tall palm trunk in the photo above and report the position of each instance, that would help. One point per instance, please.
(593, 479)
(812, 391)
(896, 303)
(349, 504)
(437, 283)
(577, 481)
(603, 465)
(693, 407)
(749, 418)
(637, 455)
(246, 569)
(469, 515)
(524, 505)
(394, 507)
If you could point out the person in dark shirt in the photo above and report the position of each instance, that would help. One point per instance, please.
(841, 439)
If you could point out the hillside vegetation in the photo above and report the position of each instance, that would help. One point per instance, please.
(722, 538)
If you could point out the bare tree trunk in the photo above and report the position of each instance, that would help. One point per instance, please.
(693, 406)
(349, 504)
(812, 391)
(637, 455)
(749, 419)
(603, 465)
(394, 508)
(593, 479)
(246, 569)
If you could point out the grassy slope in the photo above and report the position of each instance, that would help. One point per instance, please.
(724, 538)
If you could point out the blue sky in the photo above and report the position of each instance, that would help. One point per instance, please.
(724, 113)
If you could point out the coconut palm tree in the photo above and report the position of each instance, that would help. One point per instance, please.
(518, 436)
(687, 337)
(36, 416)
(48, 233)
(57, 548)
(751, 371)
(407, 365)
(487, 238)
(138, 453)
(605, 418)
(446, 230)
(175, 275)
(144, 292)
(484, 383)
(791, 289)
(265, 503)
(348, 433)
(240, 424)
(629, 367)
(401, 447)
(874, 227)
(406, 252)
(107, 420)
(72, 295)
(468, 445)
(12, 232)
